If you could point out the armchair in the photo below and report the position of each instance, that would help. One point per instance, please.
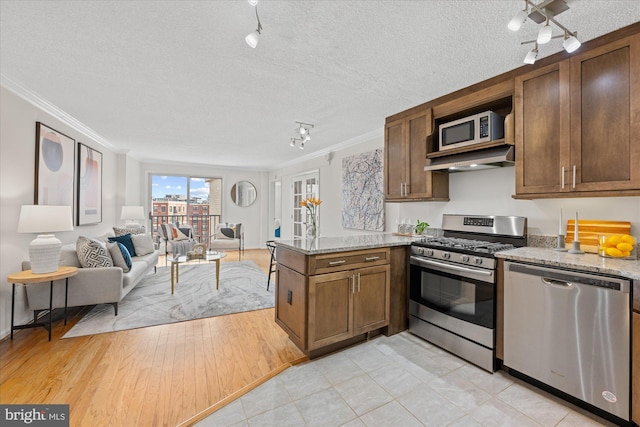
(228, 237)
(177, 240)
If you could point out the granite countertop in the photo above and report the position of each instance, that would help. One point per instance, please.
(324, 245)
(584, 262)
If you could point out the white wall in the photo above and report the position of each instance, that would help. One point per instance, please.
(480, 192)
(489, 191)
(253, 218)
(17, 168)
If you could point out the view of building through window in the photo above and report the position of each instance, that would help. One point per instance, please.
(187, 201)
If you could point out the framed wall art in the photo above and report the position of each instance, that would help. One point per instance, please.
(363, 191)
(55, 161)
(89, 185)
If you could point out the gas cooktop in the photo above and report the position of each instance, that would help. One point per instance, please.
(463, 245)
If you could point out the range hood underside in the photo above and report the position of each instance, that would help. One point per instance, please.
(474, 160)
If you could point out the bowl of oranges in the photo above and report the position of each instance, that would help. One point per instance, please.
(621, 246)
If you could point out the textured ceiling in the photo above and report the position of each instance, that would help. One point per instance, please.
(175, 81)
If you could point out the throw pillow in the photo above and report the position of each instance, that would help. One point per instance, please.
(143, 244)
(120, 255)
(167, 231)
(225, 233)
(179, 235)
(121, 231)
(126, 241)
(92, 253)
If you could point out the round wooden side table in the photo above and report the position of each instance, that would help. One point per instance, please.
(27, 276)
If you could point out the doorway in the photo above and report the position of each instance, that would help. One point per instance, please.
(303, 187)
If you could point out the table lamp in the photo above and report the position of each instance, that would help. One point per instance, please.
(44, 250)
(132, 214)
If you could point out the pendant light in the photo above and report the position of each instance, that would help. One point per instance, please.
(253, 38)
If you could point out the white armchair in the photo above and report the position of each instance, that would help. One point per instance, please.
(228, 237)
(177, 240)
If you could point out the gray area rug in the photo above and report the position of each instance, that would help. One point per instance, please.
(243, 287)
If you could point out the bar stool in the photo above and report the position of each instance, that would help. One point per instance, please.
(271, 245)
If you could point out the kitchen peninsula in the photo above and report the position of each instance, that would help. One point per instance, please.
(335, 291)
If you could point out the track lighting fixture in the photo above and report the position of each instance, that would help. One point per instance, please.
(517, 21)
(532, 55)
(253, 38)
(545, 34)
(545, 11)
(302, 134)
(570, 43)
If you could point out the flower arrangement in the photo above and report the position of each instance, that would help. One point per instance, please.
(312, 204)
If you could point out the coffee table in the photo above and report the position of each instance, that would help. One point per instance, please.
(208, 256)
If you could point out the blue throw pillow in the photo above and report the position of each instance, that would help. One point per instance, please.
(126, 241)
(120, 256)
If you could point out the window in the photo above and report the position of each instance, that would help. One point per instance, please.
(195, 201)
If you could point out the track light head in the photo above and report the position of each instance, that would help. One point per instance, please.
(571, 43)
(532, 55)
(252, 39)
(302, 145)
(545, 34)
(253, 2)
(517, 21)
(292, 143)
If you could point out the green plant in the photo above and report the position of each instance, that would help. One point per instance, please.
(420, 226)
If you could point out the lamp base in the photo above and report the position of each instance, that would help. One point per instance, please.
(44, 253)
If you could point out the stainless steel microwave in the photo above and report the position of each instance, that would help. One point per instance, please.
(482, 127)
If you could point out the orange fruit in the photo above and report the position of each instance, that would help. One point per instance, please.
(624, 247)
(614, 252)
(614, 240)
(628, 239)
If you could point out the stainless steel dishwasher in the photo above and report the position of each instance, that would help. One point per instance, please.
(571, 331)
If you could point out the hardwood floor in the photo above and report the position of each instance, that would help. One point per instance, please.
(165, 375)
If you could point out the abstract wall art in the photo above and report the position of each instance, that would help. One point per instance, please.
(89, 185)
(363, 191)
(55, 161)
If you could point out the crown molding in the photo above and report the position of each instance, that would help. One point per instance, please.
(50, 108)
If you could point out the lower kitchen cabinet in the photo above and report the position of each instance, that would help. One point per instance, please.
(336, 297)
(346, 304)
(635, 370)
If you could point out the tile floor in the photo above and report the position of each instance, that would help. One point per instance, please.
(400, 380)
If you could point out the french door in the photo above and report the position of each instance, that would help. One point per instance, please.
(303, 187)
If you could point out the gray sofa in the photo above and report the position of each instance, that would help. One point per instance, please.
(102, 285)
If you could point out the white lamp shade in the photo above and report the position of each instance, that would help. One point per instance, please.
(41, 219)
(253, 2)
(517, 21)
(544, 35)
(252, 39)
(571, 44)
(132, 212)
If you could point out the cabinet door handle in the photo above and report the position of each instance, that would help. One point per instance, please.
(358, 282)
(371, 258)
(401, 189)
(574, 176)
(337, 262)
(352, 280)
(563, 177)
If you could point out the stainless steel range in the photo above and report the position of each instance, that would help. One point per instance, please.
(452, 285)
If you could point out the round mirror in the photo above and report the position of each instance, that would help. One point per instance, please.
(243, 193)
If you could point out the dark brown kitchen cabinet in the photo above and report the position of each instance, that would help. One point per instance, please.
(578, 125)
(324, 301)
(406, 151)
(346, 304)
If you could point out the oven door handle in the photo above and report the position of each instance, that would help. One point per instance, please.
(427, 262)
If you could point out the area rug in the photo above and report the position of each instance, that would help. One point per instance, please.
(242, 287)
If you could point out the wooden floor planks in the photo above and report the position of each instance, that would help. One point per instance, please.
(162, 375)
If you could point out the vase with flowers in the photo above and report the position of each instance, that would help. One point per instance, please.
(311, 204)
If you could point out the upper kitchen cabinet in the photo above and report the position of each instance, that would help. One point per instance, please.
(406, 151)
(578, 125)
